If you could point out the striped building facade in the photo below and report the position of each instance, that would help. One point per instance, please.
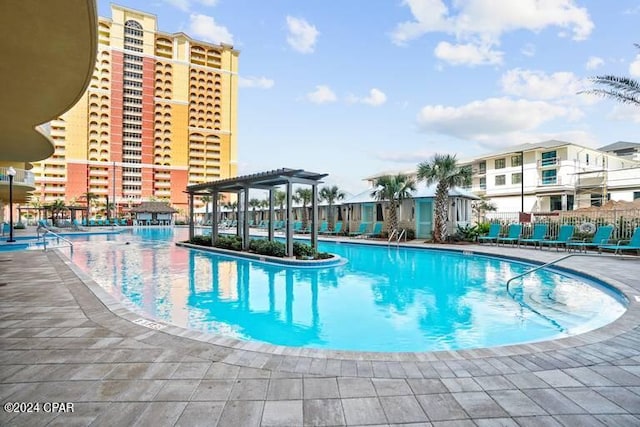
(159, 114)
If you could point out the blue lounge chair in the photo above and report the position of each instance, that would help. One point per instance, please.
(564, 235)
(494, 233)
(360, 231)
(538, 235)
(513, 235)
(297, 226)
(337, 229)
(620, 246)
(323, 228)
(376, 231)
(601, 237)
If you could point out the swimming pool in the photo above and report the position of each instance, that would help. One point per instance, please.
(382, 299)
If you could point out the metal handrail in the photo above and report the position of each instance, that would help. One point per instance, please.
(561, 259)
(393, 232)
(59, 237)
(403, 233)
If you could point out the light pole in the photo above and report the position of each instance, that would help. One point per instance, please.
(11, 172)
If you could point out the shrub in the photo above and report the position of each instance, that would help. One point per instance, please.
(201, 240)
(233, 243)
(266, 247)
(467, 233)
(19, 226)
(483, 228)
(302, 250)
(322, 255)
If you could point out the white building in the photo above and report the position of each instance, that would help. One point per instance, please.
(553, 175)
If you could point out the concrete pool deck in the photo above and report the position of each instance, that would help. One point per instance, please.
(64, 339)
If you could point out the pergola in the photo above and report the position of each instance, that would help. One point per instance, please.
(262, 181)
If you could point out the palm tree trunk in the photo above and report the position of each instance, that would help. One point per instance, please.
(440, 230)
(330, 217)
(393, 217)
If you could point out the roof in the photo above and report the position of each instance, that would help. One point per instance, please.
(620, 145)
(427, 191)
(153, 207)
(263, 180)
(515, 149)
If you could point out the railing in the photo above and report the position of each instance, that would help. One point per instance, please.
(56, 236)
(22, 177)
(398, 234)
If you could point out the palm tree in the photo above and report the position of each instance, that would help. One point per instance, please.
(443, 170)
(280, 197)
(57, 207)
(304, 195)
(622, 89)
(331, 194)
(255, 204)
(37, 204)
(233, 206)
(206, 200)
(90, 198)
(393, 189)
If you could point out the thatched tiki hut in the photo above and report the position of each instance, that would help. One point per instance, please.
(153, 213)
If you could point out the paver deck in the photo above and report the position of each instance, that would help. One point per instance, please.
(66, 340)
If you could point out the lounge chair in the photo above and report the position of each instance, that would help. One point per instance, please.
(297, 226)
(376, 231)
(337, 229)
(620, 246)
(360, 231)
(564, 235)
(538, 235)
(323, 228)
(513, 235)
(601, 237)
(494, 233)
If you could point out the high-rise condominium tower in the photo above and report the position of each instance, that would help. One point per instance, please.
(159, 114)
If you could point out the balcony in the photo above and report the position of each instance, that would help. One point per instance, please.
(549, 181)
(23, 183)
(551, 162)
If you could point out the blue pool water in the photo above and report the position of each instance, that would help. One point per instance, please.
(382, 299)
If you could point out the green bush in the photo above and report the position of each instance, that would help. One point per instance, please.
(19, 226)
(233, 243)
(266, 247)
(302, 250)
(467, 233)
(483, 228)
(322, 255)
(201, 240)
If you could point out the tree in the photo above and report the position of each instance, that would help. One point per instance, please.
(621, 89)
(280, 197)
(206, 200)
(304, 196)
(255, 204)
(233, 206)
(57, 207)
(90, 198)
(331, 194)
(393, 189)
(482, 206)
(443, 170)
(37, 204)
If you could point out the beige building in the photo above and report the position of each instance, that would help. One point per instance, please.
(159, 114)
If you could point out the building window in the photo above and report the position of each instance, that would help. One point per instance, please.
(555, 203)
(549, 177)
(549, 158)
(596, 199)
(516, 160)
(482, 167)
(636, 195)
(516, 178)
(500, 179)
(500, 163)
(587, 157)
(483, 183)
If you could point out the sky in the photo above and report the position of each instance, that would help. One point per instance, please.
(354, 88)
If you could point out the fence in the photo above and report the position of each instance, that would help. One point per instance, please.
(625, 221)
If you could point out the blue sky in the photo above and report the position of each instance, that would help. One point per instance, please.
(357, 87)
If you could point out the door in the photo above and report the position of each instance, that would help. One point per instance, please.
(424, 218)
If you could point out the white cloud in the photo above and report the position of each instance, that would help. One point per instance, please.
(634, 67)
(481, 23)
(322, 95)
(490, 117)
(539, 85)
(488, 19)
(205, 27)
(528, 49)
(302, 36)
(594, 62)
(625, 113)
(467, 54)
(375, 98)
(185, 5)
(255, 82)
